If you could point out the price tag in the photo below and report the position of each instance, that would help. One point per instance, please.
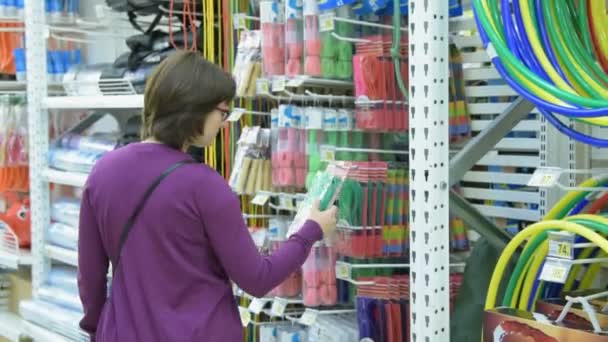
(278, 84)
(238, 21)
(262, 87)
(236, 114)
(309, 317)
(245, 316)
(260, 199)
(328, 153)
(326, 22)
(297, 81)
(343, 271)
(561, 245)
(257, 305)
(278, 307)
(555, 270)
(545, 177)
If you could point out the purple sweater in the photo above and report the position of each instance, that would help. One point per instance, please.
(190, 240)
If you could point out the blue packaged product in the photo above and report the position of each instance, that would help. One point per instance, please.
(63, 235)
(64, 277)
(60, 297)
(66, 211)
(73, 160)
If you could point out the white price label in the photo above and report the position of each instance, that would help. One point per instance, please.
(238, 21)
(278, 84)
(297, 81)
(309, 317)
(257, 305)
(326, 22)
(328, 153)
(555, 271)
(561, 245)
(236, 114)
(262, 87)
(278, 307)
(545, 177)
(343, 271)
(245, 316)
(260, 199)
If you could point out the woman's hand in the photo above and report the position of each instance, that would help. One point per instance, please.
(326, 219)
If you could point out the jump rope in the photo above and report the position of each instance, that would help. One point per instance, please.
(544, 54)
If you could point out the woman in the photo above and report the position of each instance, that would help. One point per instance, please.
(173, 281)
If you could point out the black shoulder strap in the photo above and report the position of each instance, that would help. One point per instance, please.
(127, 227)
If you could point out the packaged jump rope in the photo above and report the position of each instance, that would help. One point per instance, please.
(326, 187)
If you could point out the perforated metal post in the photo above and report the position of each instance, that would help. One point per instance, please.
(38, 126)
(429, 165)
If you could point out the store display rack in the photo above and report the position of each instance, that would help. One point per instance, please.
(433, 172)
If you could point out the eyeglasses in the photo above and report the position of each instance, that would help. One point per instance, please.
(225, 112)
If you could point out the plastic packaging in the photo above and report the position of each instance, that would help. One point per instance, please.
(61, 297)
(273, 38)
(66, 211)
(289, 154)
(294, 40)
(319, 277)
(64, 277)
(63, 235)
(97, 143)
(312, 39)
(290, 287)
(73, 160)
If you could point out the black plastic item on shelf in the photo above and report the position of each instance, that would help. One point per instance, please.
(139, 7)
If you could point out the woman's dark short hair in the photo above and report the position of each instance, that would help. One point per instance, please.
(180, 93)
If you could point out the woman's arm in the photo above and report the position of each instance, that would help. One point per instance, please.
(234, 247)
(92, 267)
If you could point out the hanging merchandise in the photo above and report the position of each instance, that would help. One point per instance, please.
(336, 54)
(294, 38)
(13, 144)
(273, 38)
(319, 277)
(247, 65)
(545, 55)
(251, 171)
(312, 39)
(289, 148)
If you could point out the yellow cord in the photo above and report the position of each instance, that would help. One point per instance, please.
(529, 232)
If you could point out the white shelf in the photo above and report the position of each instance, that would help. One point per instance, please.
(95, 102)
(65, 178)
(13, 261)
(63, 255)
(41, 334)
(11, 326)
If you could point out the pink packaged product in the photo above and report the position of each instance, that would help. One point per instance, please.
(312, 39)
(273, 38)
(292, 286)
(294, 40)
(289, 164)
(319, 277)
